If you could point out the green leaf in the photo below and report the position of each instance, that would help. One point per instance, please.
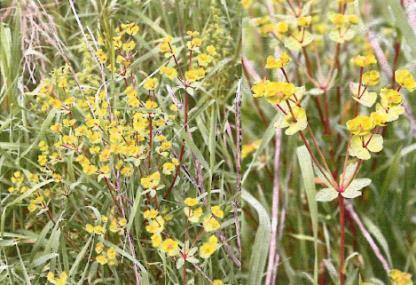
(306, 168)
(260, 247)
(326, 195)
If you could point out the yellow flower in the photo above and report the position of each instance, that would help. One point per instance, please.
(89, 228)
(101, 259)
(371, 78)
(364, 60)
(156, 226)
(196, 74)
(191, 201)
(360, 125)
(304, 21)
(193, 215)
(246, 3)
(150, 214)
(361, 146)
(165, 45)
(129, 46)
(400, 278)
(151, 181)
(130, 28)
(217, 282)
(150, 83)
(379, 119)
(62, 279)
(390, 97)
(99, 230)
(405, 79)
(275, 92)
(211, 224)
(294, 121)
(217, 211)
(156, 240)
(99, 247)
(51, 277)
(169, 72)
(211, 50)
(204, 59)
(282, 61)
(209, 247)
(111, 253)
(101, 55)
(281, 27)
(170, 247)
(150, 104)
(168, 168)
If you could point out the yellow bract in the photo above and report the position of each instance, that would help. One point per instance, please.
(405, 79)
(294, 121)
(361, 146)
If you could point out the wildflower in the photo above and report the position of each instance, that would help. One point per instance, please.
(281, 27)
(170, 247)
(304, 21)
(405, 79)
(101, 259)
(217, 211)
(57, 281)
(151, 181)
(169, 72)
(130, 29)
(400, 278)
(99, 247)
(168, 168)
(156, 240)
(371, 78)
(99, 230)
(193, 75)
(364, 60)
(275, 92)
(294, 121)
(361, 146)
(101, 55)
(150, 104)
(209, 247)
(211, 50)
(217, 282)
(191, 202)
(204, 59)
(281, 62)
(360, 125)
(165, 46)
(89, 228)
(128, 46)
(156, 226)
(150, 214)
(211, 224)
(150, 84)
(379, 119)
(193, 215)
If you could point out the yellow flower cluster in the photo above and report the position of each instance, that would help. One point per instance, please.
(105, 255)
(61, 280)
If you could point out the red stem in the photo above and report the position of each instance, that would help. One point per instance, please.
(342, 239)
